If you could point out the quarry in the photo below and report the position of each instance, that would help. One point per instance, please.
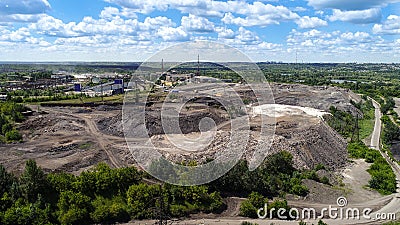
(74, 139)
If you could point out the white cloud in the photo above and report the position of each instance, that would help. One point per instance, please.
(19, 35)
(256, 13)
(10, 7)
(247, 37)
(112, 25)
(333, 42)
(299, 9)
(349, 5)
(154, 23)
(260, 19)
(22, 11)
(25, 18)
(172, 34)
(111, 12)
(51, 26)
(225, 33)
(361, 17)
(306, 22)
(259, 14)
(197, 24)
(390, 26)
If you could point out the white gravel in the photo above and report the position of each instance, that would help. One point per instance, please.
(279, 110)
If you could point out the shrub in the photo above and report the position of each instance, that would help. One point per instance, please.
(13, 136)
(325, 180)
(109, 210)
(300, 190)
(249, 207)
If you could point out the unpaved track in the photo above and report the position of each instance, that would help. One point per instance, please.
(101, 138)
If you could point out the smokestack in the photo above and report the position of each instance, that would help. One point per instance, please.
(198, 65)
(162, 66)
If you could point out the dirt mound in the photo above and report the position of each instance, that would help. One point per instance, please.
(311, 143)
(188, 122)
(318, 97)
(112, 125)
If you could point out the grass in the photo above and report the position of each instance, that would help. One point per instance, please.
(367, 124)
(114, 98)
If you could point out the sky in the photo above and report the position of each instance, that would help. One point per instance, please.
(360, 31)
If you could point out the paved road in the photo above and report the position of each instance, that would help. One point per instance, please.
(375, 139)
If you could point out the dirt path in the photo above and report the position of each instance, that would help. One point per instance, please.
(101, 138)
(233, 207)
(356, 180)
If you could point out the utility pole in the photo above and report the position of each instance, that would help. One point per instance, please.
(102, 95)
(198, 65)
(162, 220)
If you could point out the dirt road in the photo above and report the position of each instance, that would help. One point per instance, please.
(102, 139)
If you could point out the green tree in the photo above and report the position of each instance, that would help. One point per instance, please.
(141, 199)
(109, 211)
(74, 208)
(6, 180)
(33, 181)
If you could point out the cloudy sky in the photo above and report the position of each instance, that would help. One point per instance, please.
(265, 30)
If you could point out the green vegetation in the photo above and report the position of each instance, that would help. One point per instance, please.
(248, 223)
(255, 201)
(10, 113)
(393, 223)
(320, 222)
(354, 128)
(391, 132)
(104, 195)
(82, 100)
(275, 177)
(383, 179)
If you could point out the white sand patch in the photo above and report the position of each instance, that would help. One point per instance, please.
(279, 110)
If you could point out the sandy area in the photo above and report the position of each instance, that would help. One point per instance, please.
(356, 180)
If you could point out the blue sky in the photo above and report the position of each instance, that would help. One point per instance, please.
(265, 30)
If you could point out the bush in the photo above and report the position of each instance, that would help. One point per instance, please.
(279, 204)
(109, 210)
(319, 167)
(248, 223)
(249, 207)
(6, 128)
(325, 180)
(248, 210)
(13, 136)
(300, 190)
(141, 199)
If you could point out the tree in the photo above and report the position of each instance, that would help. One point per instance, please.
(141, 198)
(6, 180)
(74, 208)
(33, 181)
(22, 213)
(109, 210)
